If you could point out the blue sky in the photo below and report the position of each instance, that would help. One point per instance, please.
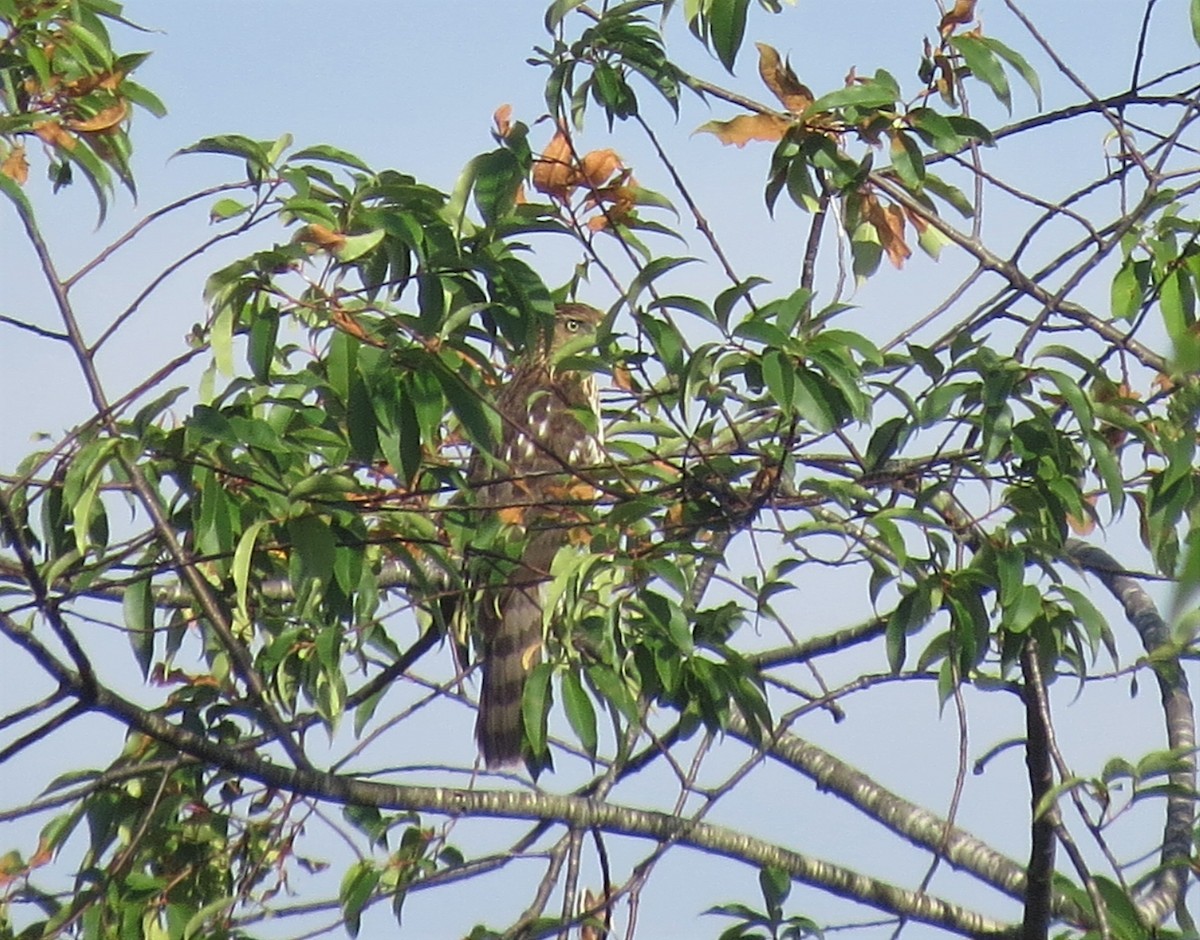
(413, 86)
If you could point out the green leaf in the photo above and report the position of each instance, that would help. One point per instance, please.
(613, 689)
(910, 615)
(1127, 290)
(867, 95)
(1123, 916)
(535, 706)
(242, 556)
(1094, 623)
(1022, 609)
(478, 420)
(951, 194)
(800, 186)
(557, 10)
(408, 432)
(199, 925)
(137, 605)
(329, 154)
(355, 246)
(235, 145)
(985, 66)
(936, 130)
(1195, 17)
(779, 372)
(775, 884)
(278, 146)
(226, 209)
(314, 543)
(13, 191)
(651, 272)
(1075, 397)
(358, 884)
(580, 711)
(908, 161)
(886, 439)
(817, 400)
(84, 497)
(726, 28)
(728, 298)
(498, 176)
(1177, 301)
(220, 338)
(1018, 62)
(260, 350)
(667, 342)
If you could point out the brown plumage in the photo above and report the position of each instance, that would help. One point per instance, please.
(544, 435)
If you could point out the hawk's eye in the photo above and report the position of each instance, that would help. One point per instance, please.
(572, 325)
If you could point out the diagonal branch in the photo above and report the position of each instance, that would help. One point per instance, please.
(1167, 886)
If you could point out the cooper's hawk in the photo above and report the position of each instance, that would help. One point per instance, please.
(549, 429)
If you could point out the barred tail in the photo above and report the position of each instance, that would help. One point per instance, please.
(513, 648)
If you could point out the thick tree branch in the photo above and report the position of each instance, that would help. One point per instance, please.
(1040, 871)
(1166, 887)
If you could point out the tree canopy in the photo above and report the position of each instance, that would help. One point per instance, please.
(980, 511)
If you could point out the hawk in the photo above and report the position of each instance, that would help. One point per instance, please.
(549, 430)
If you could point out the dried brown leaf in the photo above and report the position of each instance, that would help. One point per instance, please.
(553, 173)
(1086, 524)
(54, 135)
(778, 76)
(15, 166)
(747, 127)
(109, 81)
(598, 167)
(321, 237)
(105, 120)
(888, 222)
(502, 118)
(963, 12)
(618, 203)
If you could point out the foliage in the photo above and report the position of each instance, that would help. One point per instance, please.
(286, 541)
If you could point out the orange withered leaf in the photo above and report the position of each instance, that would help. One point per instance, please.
(553, 173)
(888, 222)
(778, 76)
(54, 135)
(917, 221)
(44, 854)
(15, 166)
(109, 118)
(893, 241)
(503, 119)
(320, 237)
(963, 12)
(598, 167)
(1085, 524)
(616, 200)
(109, 81)
(747, 127)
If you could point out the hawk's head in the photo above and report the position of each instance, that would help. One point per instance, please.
(572, 321)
